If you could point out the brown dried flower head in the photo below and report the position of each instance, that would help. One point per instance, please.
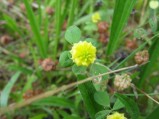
(141, 57)
(104, 38)
(28, 94)
(131, 44)
(50, 11)
(48, 64)
(122, 82)
(5, 39)
(22, 7)
(103, 27)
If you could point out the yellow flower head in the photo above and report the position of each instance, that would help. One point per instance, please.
(154, 4)
(83, 53)
(116, 115)
(96, 17)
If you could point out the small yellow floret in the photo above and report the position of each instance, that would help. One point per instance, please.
(116, 115)
(154, 4)
(96, 17)
(83, 53)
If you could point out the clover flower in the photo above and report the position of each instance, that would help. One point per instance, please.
(154, 4)
(122, 82)
(96, 17)
(141, 57)
(83, 53)
(116, 115)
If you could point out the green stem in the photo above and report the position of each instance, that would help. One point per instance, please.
(58, 26)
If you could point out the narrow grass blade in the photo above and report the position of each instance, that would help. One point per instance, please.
(147, 69)
(6, 91)
(57, 25)
(122, 11)
(130, 105)
(36, 29)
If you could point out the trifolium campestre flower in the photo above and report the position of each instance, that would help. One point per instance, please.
(83, 53)
(154, 4)
(122, 82)
(116, 115)
(96, 17)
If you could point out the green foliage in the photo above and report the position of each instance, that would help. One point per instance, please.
(6, 91)
(79, 69)
(153, 24)
(73, 34)
(87, 91)
(147, 69)
(97, 69)
(102, 98)
(55, 101)
(11, 23)
(40, 42)
(130, 106)
(65, 59)
(118, 105)
(154, 114)
(94, 42)
(140, 33)
(102, 114)
(122, 11)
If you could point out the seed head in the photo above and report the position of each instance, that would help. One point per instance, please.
(141, 57)
(122, 82)
(102, 27)
(48, 64)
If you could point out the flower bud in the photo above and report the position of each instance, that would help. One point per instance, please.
(48, 64)
(141, 57)
(102, 27)
(116, 115)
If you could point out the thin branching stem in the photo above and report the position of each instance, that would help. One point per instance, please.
(15, 106)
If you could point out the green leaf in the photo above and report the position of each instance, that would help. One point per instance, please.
(73, 34)
(97, 69)
(65, 59)
(122, 11)
(55, 101)
(7, 89)
(102, 98)
(79, 69)
(140, 33)
(94, 42)
(153, 24)
(130, 105)
(102, 114)
(118, 105)
(154, 114)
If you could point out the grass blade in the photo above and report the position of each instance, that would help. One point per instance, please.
(36, 30)
(122, 11)
(146, 70)
(5, 93)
